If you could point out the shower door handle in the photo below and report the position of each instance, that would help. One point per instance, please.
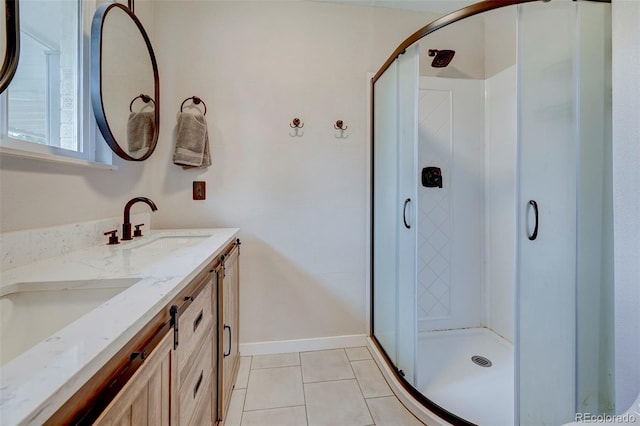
(404, 213)
(534, 235)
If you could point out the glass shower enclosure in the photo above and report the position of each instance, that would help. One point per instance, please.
(492, 274)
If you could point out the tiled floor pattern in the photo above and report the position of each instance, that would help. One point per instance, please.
(341, 387)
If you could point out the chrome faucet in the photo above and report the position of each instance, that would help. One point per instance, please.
(126, 226)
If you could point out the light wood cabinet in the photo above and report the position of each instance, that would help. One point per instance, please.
(195, 362)
(230, 331)
(180, 369)
(146, 398)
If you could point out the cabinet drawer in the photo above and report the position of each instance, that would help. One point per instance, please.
(203, 415)
(194, 324)
(195, 389)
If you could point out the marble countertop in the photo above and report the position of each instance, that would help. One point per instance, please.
(38, 382)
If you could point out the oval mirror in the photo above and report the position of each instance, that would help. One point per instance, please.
(125, 90)
(9, 43)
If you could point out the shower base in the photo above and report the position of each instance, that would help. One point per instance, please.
(449, 378)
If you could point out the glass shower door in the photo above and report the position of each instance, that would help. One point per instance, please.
(564, 299)
(385, 211)
(394, 211)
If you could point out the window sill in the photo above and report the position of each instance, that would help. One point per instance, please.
(19, 153)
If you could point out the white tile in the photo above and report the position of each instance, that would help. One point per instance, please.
(370, 379)
(274, 388)
(388, 411)
(289, 416)
(276, 360)
(357, 354)
(321, 366)
(234, 413)
(338, 403)
(243, 372)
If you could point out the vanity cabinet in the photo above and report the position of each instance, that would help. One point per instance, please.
(195, 345)
(146, 397)
(230, 318)
(181, 367)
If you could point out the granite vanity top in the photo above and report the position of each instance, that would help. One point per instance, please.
(38, 382)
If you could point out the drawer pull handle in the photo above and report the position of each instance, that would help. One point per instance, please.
(197, 322)
(198, 383)
(226, 354)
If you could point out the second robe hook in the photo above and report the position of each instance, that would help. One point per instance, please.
(340, 125)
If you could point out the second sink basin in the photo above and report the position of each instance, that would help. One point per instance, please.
(34, 311)
(171, 242)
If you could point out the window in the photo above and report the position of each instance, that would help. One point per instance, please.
(46, 109)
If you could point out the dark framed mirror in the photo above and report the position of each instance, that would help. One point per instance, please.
(9, 43)
(125, 89)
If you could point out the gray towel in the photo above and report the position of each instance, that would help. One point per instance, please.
(141, 128)
(192, 141)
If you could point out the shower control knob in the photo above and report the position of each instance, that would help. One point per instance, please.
(432, 177)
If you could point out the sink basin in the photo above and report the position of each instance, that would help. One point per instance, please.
(33, 311)
(171, 242)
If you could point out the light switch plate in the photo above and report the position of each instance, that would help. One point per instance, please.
(199, 190)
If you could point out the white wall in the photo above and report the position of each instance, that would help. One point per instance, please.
(501, 133)
(299, 201)
(500, 37)
(626, 193)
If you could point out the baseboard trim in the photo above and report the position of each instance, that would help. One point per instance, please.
(302, 345)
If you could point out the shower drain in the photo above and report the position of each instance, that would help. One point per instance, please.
(481, 361)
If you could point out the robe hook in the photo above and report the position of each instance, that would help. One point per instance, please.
(296, 124)
(340, 125)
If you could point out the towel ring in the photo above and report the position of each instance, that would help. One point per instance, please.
(145, 98)
(196, 101)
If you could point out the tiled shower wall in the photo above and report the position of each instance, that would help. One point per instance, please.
(449, 258)
(466, 230)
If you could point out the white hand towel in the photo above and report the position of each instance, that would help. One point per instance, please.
(141, 128)
(192, 141)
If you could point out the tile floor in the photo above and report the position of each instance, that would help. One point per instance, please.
(340, 387)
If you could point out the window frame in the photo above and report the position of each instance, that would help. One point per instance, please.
(91, 151)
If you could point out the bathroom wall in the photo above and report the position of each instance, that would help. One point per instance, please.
(300, 200)
(500, 38)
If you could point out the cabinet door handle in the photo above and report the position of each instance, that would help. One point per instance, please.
(198, 320)
(198, 383)
(534, 235)
(174, 324)
(404, 213)
(226, 327)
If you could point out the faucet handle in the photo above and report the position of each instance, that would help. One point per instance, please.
(113, 238)
(138, 231)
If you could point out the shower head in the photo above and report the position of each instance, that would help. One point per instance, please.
(442, 57)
